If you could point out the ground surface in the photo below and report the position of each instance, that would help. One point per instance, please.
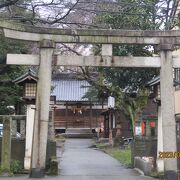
(79, 162)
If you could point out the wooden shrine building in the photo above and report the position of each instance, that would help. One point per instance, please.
(72, 110)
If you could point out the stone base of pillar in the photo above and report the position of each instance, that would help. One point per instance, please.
(37, 173)
(27, 163)
(170, 175)
(160, 165)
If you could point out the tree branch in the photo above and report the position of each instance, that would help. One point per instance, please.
(8, 3)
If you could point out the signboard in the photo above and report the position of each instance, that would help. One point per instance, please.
(138, 131)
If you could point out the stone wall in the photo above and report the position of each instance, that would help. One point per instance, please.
(143, 146)
(18, 150)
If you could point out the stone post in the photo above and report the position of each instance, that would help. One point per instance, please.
(23, 128)
(29, 135)
(51, 134)
(42, 110)
(168, 109)
(14, 128)
(6, 146)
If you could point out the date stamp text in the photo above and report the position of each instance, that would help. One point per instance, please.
(163, 155)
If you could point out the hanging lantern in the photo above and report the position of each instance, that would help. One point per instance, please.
(111, 102)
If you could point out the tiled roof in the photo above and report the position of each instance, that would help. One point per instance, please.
(154, 81)
(30, 75)
(70, 89)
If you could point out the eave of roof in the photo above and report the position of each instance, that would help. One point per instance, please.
(154, 81)
(30, 75)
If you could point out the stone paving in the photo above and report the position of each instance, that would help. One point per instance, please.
(79, 162)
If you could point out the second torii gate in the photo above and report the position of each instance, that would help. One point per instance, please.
(47, 38)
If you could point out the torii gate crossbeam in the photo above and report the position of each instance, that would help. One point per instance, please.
(47, 37)
(90, 36)
(96, 61)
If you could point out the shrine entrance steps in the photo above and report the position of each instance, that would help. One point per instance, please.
(79, 133)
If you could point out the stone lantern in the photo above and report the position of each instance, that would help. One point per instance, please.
(29, 83)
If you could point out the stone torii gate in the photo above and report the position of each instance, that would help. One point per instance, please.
(47, 38)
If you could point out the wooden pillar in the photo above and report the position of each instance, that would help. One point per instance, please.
(6, 146)
(42, 110)
(168, 109)
(105, 126)
(96, 115)
(66, 115)
(110, 128)
(108, 125)
(90, 117)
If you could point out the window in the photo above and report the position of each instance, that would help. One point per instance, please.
(158, 91)
(177, 77)
(30, 89)
(178, 129)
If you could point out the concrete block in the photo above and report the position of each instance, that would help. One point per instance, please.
(143, 165)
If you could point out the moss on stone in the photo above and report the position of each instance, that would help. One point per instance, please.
(6, 144)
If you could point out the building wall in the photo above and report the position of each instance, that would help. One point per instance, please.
(148, 120)
(177, 101)
(150, 108)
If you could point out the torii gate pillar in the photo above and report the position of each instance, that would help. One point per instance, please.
(168, 109)
(42, 110)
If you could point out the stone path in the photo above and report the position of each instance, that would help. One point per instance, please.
(79, 162)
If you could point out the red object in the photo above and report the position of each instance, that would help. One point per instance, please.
(152, 124)
(143, 128)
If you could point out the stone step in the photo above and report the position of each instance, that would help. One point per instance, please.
(76, 135)
(78, 130)
(79, 133)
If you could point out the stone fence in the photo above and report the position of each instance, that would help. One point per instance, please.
(147, 147)
(144, 153)
(12, 147)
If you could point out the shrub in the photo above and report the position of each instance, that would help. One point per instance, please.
(16, 167)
